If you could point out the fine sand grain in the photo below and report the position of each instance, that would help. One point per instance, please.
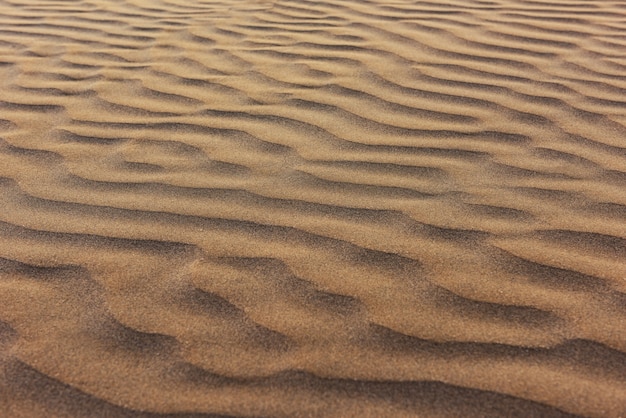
(297, 208)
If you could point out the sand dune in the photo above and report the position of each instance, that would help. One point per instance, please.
(312, 208)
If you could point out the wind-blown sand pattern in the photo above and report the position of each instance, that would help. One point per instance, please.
(312, 208)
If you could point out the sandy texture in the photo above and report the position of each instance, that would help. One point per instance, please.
(312, 208)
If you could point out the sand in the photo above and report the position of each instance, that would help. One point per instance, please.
(331, 208)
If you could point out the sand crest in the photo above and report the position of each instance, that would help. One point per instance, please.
(312, 208)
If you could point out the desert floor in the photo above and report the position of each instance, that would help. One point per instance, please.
(294, 208)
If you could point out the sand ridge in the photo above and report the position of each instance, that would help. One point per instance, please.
(297, 208)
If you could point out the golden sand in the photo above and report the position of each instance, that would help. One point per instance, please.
(336, 208)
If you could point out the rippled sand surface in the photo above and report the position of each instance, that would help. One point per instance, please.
(331, 208)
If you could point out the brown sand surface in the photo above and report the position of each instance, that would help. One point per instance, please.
(299, 208)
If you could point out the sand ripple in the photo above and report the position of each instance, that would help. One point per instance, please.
(299, 208)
